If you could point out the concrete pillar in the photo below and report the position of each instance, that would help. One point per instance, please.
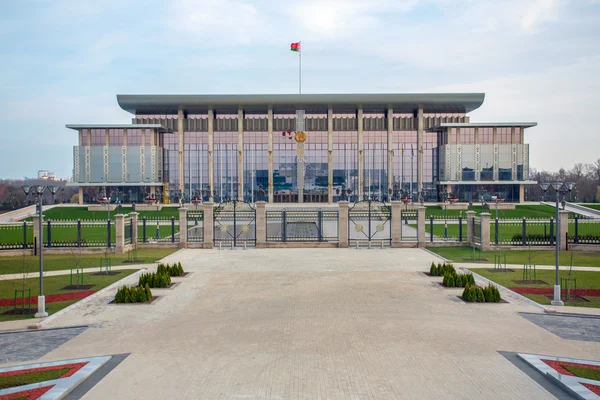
(470, 216)
(390, 152)
(421, 239)
(182, 227)
(329, 154)
(360, 189)
(80, 195)
(36, 233)
(343, 223)
(261, 224)
(420, 124)
(134, 222)
(180, 144)
(270, 144)
(521, 193)
(120, 233)
(208, 224)
(240, 154)
(485, 231)
(563, 226)
(211, 163)
(396, 223)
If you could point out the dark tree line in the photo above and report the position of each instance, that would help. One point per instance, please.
(12, 195)
(585, 176)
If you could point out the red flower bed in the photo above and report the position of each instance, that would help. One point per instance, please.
(73, 368)
(558, 367)
(50, 298)
(550, 291)
(31, 394)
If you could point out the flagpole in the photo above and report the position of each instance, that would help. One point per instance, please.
(300, 68)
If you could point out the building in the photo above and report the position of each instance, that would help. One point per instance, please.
(46, 175)
(302, 148)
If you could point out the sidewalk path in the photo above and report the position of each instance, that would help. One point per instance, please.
(520, 266)
(33, 275)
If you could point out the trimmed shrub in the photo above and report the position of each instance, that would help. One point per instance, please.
(476, 294)
(136, 294)
(174, 270)
(440, 270)
(452, 279)
(155, 280)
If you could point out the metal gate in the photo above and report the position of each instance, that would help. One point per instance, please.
(370, 221)
(235, 224)
(302, 225)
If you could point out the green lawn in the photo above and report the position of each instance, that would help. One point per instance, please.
(520, 211)
(583, 372)
(53, 285)
(520, 257)
(585, 280)
(595, 206)
(32, 377)
(53, 262)
(74, 213)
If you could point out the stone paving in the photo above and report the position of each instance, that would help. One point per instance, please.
(311, 324)
(31, 345)
(571, 327)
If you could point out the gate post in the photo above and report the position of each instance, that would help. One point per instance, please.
(470, 216)
(421, 226)
(485, 231)
(182, 228)
(563, 229)
(261, 224)
(343, 224)
(396, 223)
(208, 226)
(134, 222)
(119, 234)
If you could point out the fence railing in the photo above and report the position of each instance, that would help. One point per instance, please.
(302, 225)
(523, 232)
(446, 229)
(584, 231)
(476, 227)
(195, 226)
(79, 234)
(158, 230)
(408, 225)
(16, 235)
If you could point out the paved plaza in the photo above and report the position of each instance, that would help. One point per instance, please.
(313, 324)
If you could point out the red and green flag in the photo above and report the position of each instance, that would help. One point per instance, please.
(295, 47)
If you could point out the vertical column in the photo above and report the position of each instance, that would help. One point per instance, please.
(470, 215)
(211, 145)
(120, 233)
(80, 195)
(420, 226)
(270, 149)
(134, 223)
(182, 228)
(359, 118)
(36, 232)
(330, 155)
(343, 223)
(485, 231)
(420, 123)
(521, 193)
(208, 225)
(180, 146)
(261, 224)
(105, 156)
(240, 153)
(396, 223)
(390, 153)
(563, 228)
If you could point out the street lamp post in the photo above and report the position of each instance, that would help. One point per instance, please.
(38, 191)
(560, 188)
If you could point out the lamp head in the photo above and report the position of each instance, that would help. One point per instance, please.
(544, 186)
(53, 189)
(39, 189)
(26, 189)
(557, 185)
(570, 185)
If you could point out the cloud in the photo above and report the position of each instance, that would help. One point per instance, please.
(537, 12)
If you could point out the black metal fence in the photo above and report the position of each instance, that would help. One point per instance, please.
(16, 235)
(446, 229)
(584, 231)
(297, 225)
(408, 226)
(523, 232)
(234, 224)
(195, 226)
(369, 221)
(158, 230)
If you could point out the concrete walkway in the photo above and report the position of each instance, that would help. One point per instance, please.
(520, 266)
(33, 275)
(21, 213)
(311, 324)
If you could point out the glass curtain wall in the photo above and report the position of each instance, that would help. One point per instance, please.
(315, 164)
(195, 163)
(256, 164)
(345, 165)
(404, 144)
(375, 164)
(285, 174)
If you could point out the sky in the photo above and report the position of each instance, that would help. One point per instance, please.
(64, 61)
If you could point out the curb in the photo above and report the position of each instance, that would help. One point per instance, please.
(436, 255)
(502, 288)
(112, 286)
(162, 260)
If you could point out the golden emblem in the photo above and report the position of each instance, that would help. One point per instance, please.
(300, 137)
